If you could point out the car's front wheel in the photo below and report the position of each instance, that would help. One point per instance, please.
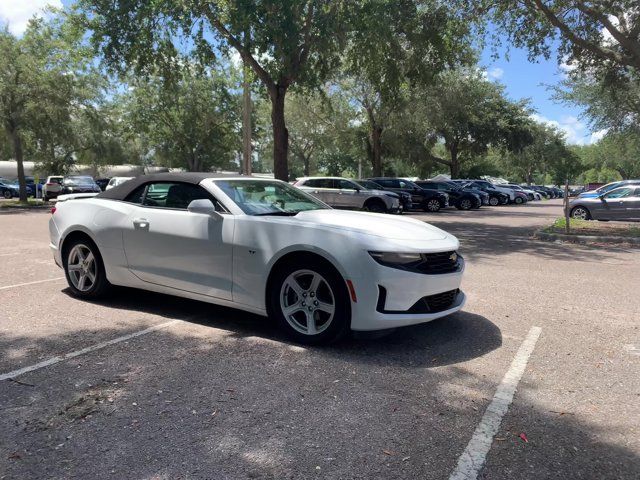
(374, 205)
(494, 201)
(518, 200)
(465, 204)
(7, 194)
(84, 269)
(581, 213)
(310, 302)
(432, 205)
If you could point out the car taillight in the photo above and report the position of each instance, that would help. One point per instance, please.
(53, 210)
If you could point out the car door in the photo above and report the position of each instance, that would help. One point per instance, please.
(167, 245)
(614, 204)
(321, 188)
(348, 195)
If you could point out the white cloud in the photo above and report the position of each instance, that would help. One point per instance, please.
(599, 135)
(17, 13)
(576, 132)
(495, 73)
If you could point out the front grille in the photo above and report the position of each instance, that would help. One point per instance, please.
(429, 304)
(438, 263)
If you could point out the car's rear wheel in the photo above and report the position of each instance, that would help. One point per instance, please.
(581, 213)
(432, 205)
(7, 194)
(465, 204)
(494, 201)
(310, 302)
(375, 206)
(84, 269)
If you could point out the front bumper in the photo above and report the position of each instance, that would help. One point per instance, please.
(402, 290)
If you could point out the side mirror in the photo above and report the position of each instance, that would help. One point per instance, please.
(601, 197)
(204, 206)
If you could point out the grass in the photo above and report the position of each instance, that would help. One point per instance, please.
(32, 202)
(592, 227)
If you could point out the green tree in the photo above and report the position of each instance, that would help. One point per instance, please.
(191, 122)
(42, 78)
(283, 42)
(601, 34)
(468, 114)
(404, 45)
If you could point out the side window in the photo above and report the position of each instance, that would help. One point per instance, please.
(389, 183)
(619, 193)
(136, 196)
(346, 184)
(313, 182)
(174, 195)
(637, 194)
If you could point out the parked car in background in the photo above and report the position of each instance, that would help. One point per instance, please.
(574, 192)
(550, 193)
(458, 197)
(340, 192)
(8, 190)
(608, 187)
(102, 183)
(622, 203)
(531, 194)
(115, 181)
(428, 200)
(485, 185)
(405, 198)
(78, 184)
(496, 197)
(52, 187)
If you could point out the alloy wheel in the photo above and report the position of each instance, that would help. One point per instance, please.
(433, 205)
(307, 302)
(493, 201)
(465, 204)
(580, 213)
(82, 267)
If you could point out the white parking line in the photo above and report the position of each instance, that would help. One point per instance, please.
(8, 254)
(474, 456)
(31, 283)
(77, 353)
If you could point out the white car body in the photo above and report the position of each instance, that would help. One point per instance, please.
(115, 181)
(52, 186)
(227, 258)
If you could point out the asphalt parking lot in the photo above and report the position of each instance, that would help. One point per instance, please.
(161, 387)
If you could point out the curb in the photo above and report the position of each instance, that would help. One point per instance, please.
(585, 239)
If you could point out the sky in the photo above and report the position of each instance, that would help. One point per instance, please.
(522, 78)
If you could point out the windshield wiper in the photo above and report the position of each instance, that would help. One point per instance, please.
(277, 214)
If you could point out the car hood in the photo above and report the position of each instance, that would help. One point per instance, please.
(379, 225)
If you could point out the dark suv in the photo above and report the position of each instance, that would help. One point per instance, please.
(428, 200)
(459, 198)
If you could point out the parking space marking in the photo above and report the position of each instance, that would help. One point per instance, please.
(31, 283)
(473, 457)
(8, 254)
(92, 348)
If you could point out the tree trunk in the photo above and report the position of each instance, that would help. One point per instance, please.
(280, 134)
(376, 150)
(306, 160)
(16, 141)
(455, 162)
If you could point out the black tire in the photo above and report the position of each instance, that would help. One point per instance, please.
(465, 204)
(518, 201)
(375, 206)
(494, 201)
(7, 194)
(337, 326)
(100, 285)
(432, 205)
(576, 212)
(45, 198)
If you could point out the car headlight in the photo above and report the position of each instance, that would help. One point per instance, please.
(395, 258)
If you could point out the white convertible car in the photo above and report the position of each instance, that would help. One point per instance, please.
(262, 246)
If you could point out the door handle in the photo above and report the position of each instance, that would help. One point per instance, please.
(142, 223)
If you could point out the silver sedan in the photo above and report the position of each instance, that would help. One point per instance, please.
(620, 204)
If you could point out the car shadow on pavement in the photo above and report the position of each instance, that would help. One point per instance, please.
(449, 340)
(491, 240)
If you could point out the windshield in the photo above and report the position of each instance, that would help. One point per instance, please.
(78, 180)
(606, 188)
(259, 197)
